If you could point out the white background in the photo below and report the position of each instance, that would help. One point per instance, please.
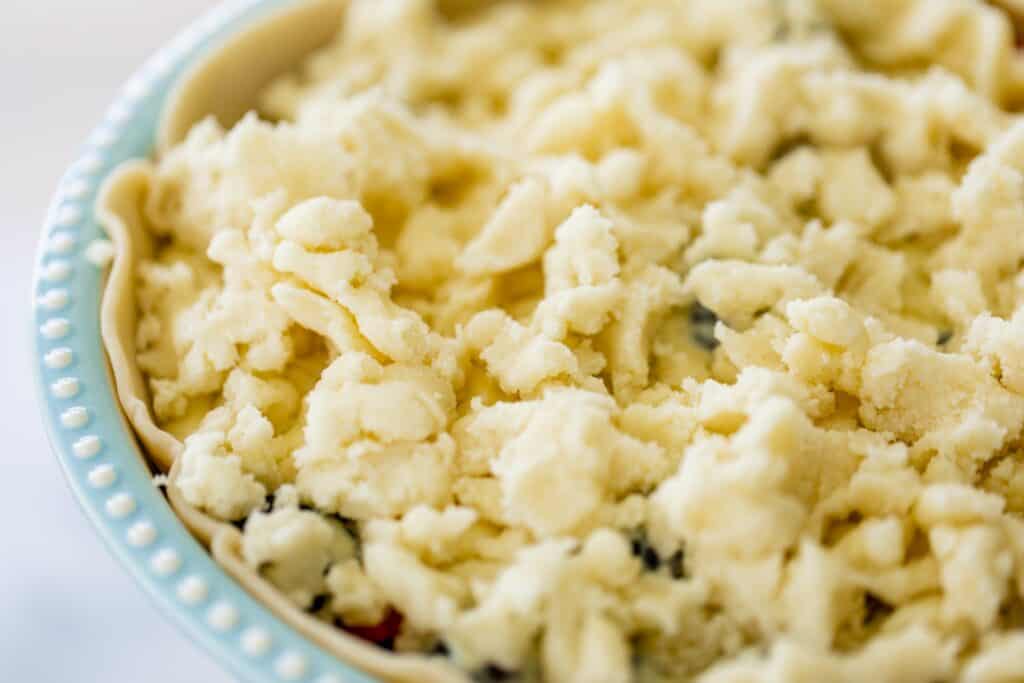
(68, 613)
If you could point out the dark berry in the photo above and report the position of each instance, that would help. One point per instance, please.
(319, 602)
(676, 565)
(493, 674)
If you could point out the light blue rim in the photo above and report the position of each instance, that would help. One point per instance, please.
(82, 417)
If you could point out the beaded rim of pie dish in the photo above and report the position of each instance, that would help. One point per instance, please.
(87, 431)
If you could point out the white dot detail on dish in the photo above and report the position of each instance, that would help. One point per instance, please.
(102, 476)
(225, 12)
(215, 18)
(105, 137)
(141, 534)
(55, 328)
(58, 359)
(76, 189)
(192, 590)
(87, 447)
(222, 617)
(120, 113)
(55, 299)
(290, 666)
(62, 242)
(165, 562)
(75, 418)
(65, 387)
(90, 163)
(161, 64)
(137, 88)
(255, 642)
(56, 271)
(100, 253)
(69, 214)
(187, 41)
(328, 678)
(120, 505)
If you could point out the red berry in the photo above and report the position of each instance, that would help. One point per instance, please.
(381, 633)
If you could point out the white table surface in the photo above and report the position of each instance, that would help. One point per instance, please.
(68, 613)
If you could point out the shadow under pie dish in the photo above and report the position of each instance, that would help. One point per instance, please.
(592, 341)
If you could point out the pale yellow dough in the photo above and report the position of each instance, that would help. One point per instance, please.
(638, 339)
